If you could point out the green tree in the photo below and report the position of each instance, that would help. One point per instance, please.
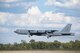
(32, 41)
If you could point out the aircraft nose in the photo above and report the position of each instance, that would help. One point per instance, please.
(15, 31)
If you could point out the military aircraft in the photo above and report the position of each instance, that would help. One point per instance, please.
(49, 33)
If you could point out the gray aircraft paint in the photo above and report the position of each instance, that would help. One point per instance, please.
(49, 33)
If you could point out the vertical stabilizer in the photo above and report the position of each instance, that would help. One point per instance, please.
(67, 28)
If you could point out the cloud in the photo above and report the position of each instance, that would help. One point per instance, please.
(2, 29)
(3, 17)
(17, 4)
(66, 3)
(16, 0)
(57, 17)
(35, 14)
(35, 18)
(34, 11)
(11, 5)
(8, 0)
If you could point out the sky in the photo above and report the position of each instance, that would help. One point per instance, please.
(38, 14)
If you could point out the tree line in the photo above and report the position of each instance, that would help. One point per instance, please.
(40, 45)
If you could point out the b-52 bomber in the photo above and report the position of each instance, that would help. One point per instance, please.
(49, 33)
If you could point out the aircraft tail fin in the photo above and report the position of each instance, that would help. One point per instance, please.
(67, 28)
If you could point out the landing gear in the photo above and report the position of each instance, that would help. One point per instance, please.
(30, 35)
(48, 36)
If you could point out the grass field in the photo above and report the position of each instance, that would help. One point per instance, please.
(39, 51)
